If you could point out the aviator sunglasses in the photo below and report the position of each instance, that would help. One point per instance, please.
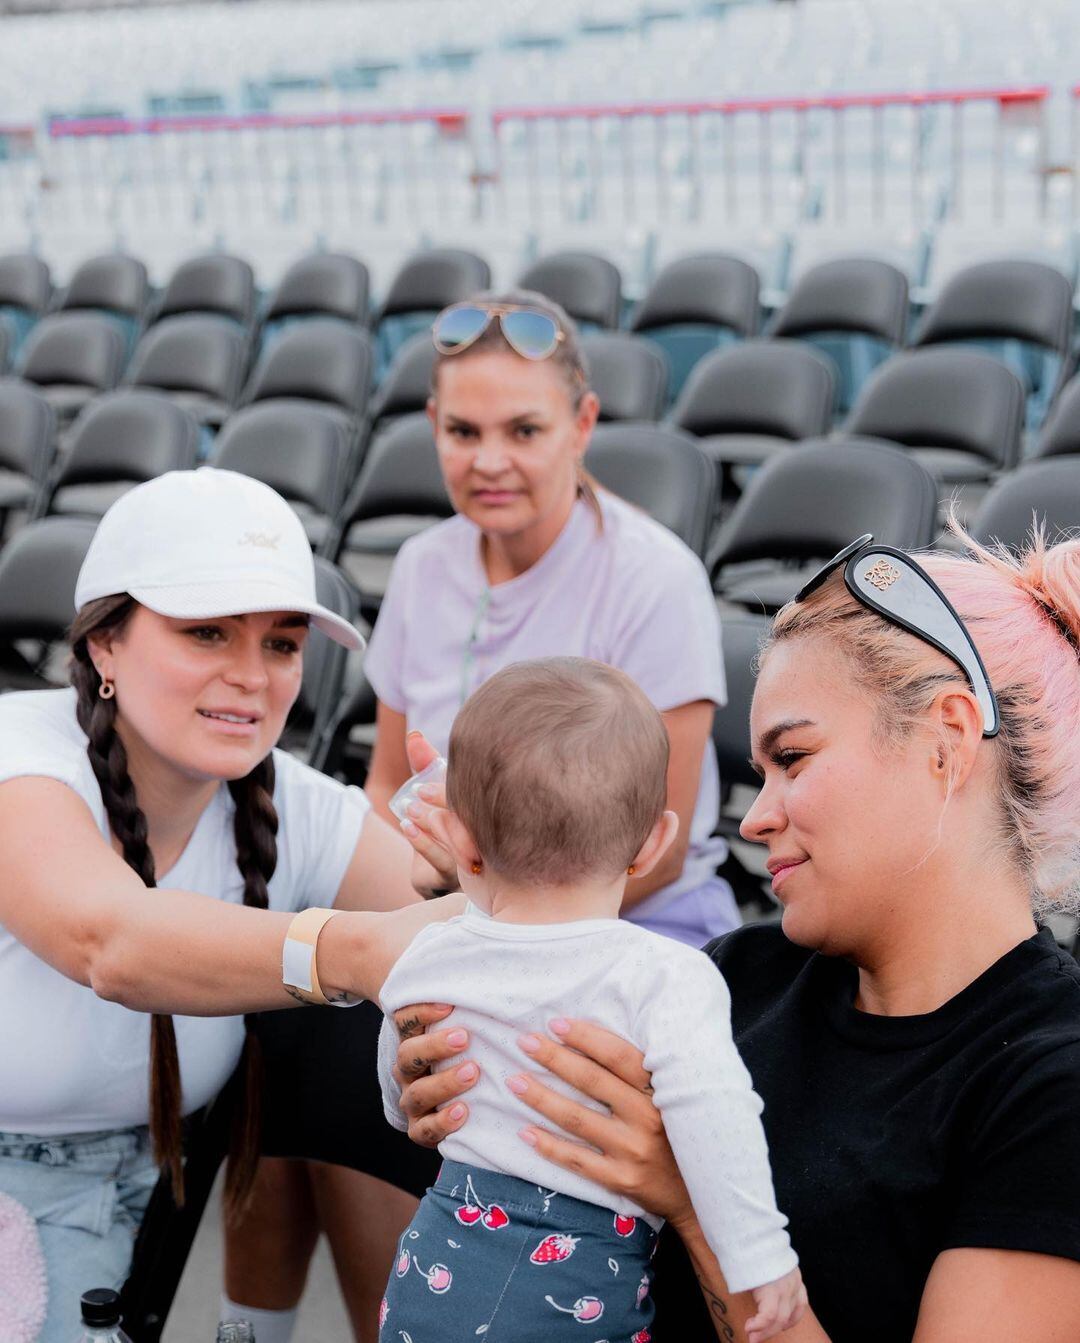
(890, 582)
(532, 333)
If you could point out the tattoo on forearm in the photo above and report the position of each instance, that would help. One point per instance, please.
(294, 993)
(718, 1312)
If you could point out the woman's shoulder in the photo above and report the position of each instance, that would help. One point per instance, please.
(299, 785)
(757, 958)
(643, 542)
(40, 719)
(439, 542)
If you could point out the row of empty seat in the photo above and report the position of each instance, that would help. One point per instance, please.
(856, 310)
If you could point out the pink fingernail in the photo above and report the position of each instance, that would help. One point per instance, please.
(407, 828)
(458, 1039)
(517, 1085)
(467, 1072)
(427, 790)
(457, 1113)
(528, 1135)
(530, 1043)
(560, 1026)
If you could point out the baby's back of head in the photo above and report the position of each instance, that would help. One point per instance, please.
(558, 768)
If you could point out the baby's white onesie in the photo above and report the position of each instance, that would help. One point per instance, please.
(509, 979)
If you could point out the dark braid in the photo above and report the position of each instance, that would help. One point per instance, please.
(255, 827)
(108, 759)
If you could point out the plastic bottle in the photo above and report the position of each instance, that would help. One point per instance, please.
(101, 1317)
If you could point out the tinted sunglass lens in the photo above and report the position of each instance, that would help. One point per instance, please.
(533, 334)
(458, 327)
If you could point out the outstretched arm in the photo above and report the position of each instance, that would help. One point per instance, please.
(74, 902)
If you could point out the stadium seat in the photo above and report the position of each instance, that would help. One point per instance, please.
(696, 305)
(844, 487)
(398, 491)
(1048, 490)
(119, 441)
(25, 291)
(407, 384)
(216, 283)
(1018, 311)
(302, 449)
(628, 375)
(741, 636)
(113, 284)
(960, 411)
(26, 447)
(662, 471)
(752, 400)
(854, 310)
(71, 357)
(325, 661)
(325, 284)
(1060, 433)
(587, 286)
(425, 284)
(197, 361)
(38, 570)
(319, 360)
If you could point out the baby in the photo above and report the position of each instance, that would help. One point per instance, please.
(556, 783)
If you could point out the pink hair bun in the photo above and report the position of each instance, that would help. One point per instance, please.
(23, 1286)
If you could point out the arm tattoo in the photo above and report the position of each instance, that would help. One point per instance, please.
(294, 994)
(718, 1312)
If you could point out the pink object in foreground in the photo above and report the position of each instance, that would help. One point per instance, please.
(23, 1285)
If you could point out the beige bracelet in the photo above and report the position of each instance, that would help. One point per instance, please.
(299, 970)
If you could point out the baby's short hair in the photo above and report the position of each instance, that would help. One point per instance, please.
(558, 768)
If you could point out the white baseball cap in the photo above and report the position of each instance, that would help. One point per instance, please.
(207, 543)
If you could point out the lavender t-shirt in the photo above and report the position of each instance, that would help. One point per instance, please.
(631, 595)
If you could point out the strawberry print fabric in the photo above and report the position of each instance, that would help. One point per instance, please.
(492, 1258)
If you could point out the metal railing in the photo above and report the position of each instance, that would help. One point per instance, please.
(905, 157)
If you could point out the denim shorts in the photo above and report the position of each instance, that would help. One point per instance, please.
(490, 1257)
(87, 1193)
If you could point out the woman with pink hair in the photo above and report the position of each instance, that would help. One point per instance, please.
(912, 1030)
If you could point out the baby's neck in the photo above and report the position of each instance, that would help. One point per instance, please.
(554, 904)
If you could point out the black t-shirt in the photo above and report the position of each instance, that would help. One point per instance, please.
(895, 1138)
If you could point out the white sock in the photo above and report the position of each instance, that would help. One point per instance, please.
(271, 1326)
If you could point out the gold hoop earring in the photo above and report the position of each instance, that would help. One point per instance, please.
(106, 690)
(476, 868)
(631, 870)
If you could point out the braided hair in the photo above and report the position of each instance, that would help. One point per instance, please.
(255, 828)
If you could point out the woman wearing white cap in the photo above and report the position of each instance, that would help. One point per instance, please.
(158, 769)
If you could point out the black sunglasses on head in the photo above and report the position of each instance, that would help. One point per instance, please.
(892, 584)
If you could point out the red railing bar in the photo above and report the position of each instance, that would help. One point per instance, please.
(1033, 94)
(445, 118)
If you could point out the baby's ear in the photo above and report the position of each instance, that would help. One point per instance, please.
(454, 834)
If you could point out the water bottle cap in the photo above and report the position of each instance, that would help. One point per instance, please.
(101, 1306)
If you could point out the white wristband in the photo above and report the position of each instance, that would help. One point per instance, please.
(299, 967)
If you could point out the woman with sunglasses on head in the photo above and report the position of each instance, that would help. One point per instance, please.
(139, 811)
(538, 561)
(913, 1033)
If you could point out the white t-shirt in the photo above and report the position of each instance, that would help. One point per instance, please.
(71, 1062)
(507, 979)
(630, 594)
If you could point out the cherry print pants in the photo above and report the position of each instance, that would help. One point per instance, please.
(491, 1259)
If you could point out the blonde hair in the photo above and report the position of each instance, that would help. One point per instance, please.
(1023, 612)
(558, 769)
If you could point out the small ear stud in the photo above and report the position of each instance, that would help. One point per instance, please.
(476, 869)
(631, 870)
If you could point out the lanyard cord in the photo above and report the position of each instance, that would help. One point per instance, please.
(474, 634)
